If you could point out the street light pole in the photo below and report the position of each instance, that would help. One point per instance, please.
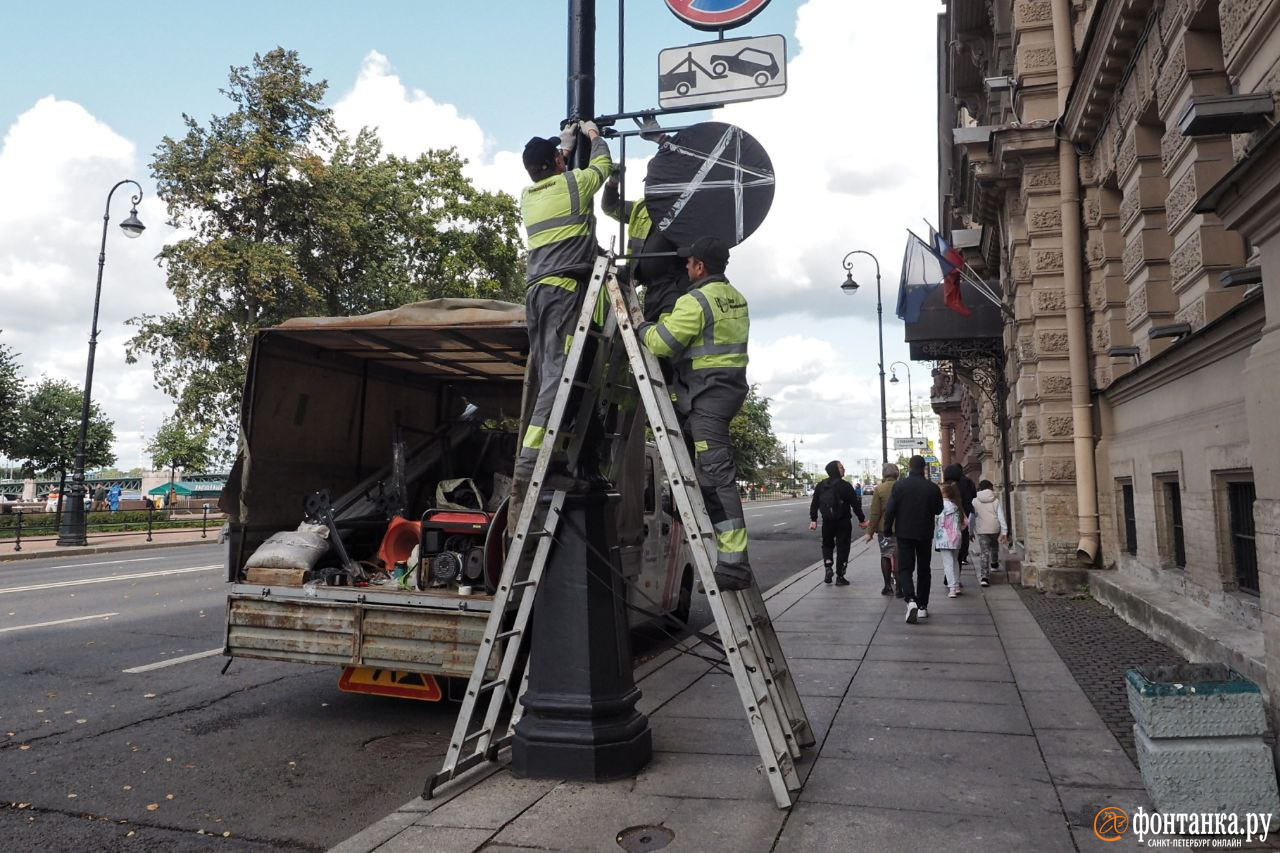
(72, 530)
(850, 287)
(893, 379)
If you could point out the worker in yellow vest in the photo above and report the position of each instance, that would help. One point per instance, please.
(705, 336)
(559, 218)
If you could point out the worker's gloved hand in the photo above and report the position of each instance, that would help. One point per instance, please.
(589, 127)
(569, 137)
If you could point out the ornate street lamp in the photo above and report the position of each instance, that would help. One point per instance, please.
(72, 531)
(893, 380)
(851, 287)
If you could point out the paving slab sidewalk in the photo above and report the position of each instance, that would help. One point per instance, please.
(963, 732)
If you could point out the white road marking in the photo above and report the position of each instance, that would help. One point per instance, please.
(107, 562)
(173, 661)
(83, 581)
(780, 523)
(58, 622)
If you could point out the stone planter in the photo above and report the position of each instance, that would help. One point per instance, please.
(1199, 733)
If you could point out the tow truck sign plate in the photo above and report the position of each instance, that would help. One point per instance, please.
(389, 682)
(718, 72)
(716, 14)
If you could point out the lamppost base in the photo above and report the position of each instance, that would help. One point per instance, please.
(72, 531)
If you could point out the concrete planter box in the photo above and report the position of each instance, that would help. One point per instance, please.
(1199, 733)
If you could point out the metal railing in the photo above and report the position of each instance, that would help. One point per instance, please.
(28, 525)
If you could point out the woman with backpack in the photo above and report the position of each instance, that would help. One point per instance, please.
(835, 500)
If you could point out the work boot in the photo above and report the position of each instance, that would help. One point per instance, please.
(841, 580)
(732, 577)
(827, 577)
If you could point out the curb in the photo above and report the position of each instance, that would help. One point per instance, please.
(101, 549)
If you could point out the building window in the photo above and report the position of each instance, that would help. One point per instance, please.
(1168, 494)
(1244, 554)
(1128, 518)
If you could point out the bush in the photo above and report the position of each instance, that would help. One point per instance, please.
(44, 523)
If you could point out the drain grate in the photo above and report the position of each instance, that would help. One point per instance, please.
(641, 839)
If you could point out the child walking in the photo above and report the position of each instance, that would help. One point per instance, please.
(947, 534)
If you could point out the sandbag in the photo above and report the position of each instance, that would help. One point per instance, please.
(460, 493)
(292, 549)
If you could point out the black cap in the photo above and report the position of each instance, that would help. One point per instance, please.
(540, 154)
(710, 250)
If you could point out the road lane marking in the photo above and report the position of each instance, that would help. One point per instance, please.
(780, 523)
(173, 661)
(106, 562)
(58, 622)
(83, 581)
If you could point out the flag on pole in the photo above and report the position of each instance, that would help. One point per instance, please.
(922, 273)
(952, 265)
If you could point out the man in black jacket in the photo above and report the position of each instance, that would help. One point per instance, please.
(954, 473)
(835, 498)
(913, 505)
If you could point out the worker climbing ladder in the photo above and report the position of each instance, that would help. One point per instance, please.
(765, 685)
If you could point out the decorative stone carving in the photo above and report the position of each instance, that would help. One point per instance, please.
(1170, 145)
(1175, 68)
(1088, 171)
(1021, 268)
(1031, 429)
(1181, 197)
(1055, 385)
(1047, 260)
(1026, 349)
(1058, 426)
(1060, 469)
(1102, 337)
(1040, 179)
(1135, 307)
(1035, 58)
(1193, 314)
(1134, 254)
(1092, 213)
(1052, 342)
(1129, 207)
(1045, 219)
(1234, 16)
(1126, 155)
(1031, 12)
(1186, 260)
(1095, 253)
(1049, 301)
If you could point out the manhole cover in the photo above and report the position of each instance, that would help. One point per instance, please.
(639, 839)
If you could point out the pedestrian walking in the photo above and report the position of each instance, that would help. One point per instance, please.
(100, 497)
(954, 473)
(990, 527)
(913, 504)
(113, 496)
(875, 527)
(947, 529)
(835, 499)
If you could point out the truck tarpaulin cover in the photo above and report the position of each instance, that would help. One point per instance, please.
(709, 179)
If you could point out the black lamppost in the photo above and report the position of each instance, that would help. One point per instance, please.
(72, 531)
(851, 287)
(795, 480)
(893, 380)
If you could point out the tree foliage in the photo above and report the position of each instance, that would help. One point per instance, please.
(48, 429)
(11, 391)
(755, 447)
(178, 444)
(287, 217)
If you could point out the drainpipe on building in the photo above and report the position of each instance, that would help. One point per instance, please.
(1073, 275)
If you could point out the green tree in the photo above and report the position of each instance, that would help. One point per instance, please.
(755, 447)
(11, 391)
(48, 429)
(179, 445)
(289, 218)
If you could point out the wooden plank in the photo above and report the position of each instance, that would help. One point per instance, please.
(276, 577)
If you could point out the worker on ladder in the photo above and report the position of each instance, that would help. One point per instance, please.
(559, 218)
(661, 272)
(705, 335)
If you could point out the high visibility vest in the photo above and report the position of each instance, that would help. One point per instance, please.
(705, 335)
(559, 219)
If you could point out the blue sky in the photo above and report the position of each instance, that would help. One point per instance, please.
(88, 90)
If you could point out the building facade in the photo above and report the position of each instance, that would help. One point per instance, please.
(1111, 166)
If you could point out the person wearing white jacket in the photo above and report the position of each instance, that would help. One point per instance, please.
(990, 527)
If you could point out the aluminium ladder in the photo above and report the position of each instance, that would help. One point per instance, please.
(765, 685)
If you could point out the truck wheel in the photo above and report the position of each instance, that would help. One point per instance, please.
(681, 614)
(682, 89)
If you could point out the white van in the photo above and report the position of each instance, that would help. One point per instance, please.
(326, 402)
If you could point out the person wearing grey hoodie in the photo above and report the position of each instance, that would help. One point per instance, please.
(990, 527)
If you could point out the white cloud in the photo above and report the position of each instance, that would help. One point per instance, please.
(57, 164)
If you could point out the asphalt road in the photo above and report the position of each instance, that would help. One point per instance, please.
(118, 732)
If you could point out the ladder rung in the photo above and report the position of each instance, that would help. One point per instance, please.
(514, 632)
(492, 685)
(476, 734)
(523, 584)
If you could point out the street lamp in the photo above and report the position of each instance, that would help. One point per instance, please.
(795, 481)
(72, 530)
(851, 287)
(893, 380)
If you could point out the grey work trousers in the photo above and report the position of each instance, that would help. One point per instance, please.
(550, 313)
(708, 425)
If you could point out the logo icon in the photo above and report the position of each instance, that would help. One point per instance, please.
(1110, 823)
(716, 14)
